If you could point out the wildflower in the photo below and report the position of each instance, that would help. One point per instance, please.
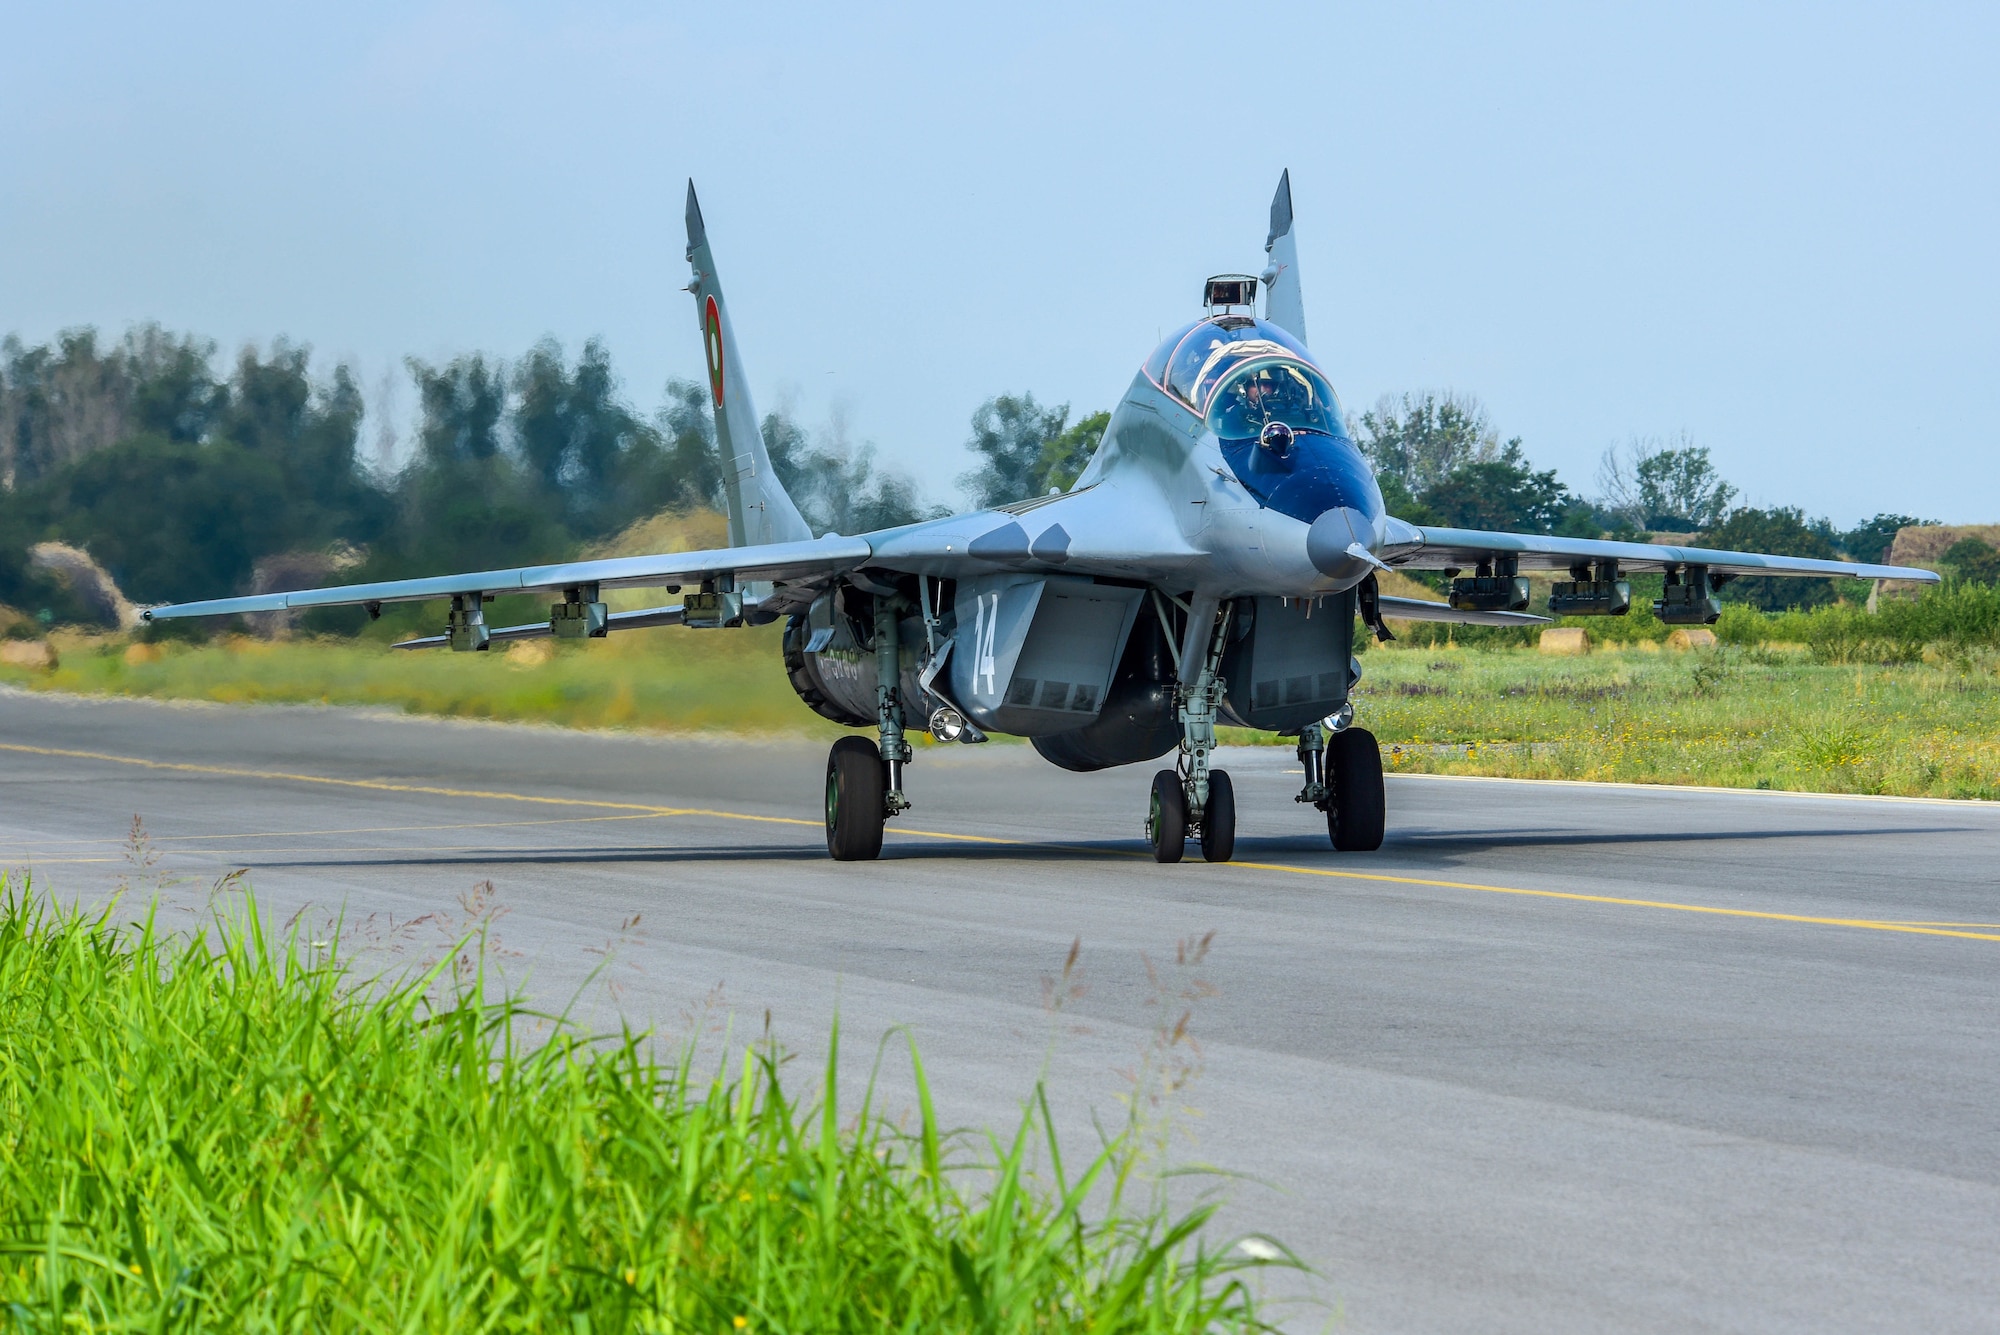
(1258, 1250)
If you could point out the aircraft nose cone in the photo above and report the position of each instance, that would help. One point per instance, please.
(1330, 537)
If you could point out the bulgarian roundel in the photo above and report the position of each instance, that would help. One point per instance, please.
(711, 339)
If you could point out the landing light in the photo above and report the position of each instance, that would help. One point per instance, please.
(1341, 719)
(947, 724)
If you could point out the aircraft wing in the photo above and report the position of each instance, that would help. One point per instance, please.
(1431, 548)
(777, 562)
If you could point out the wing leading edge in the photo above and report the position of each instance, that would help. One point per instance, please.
(779, 562)
(1433, 548)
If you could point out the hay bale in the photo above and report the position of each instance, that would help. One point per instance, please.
(531, 653)
(1925, 545)
(89, 581)
(1567, 641)
(1691, 637)
(288, 572)
(38, 654)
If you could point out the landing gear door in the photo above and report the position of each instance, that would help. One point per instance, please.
(1288, 662)
(1034, 655)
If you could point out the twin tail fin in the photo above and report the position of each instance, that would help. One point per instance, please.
(760, 510)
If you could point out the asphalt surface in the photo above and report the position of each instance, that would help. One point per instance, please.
(1559, 1057)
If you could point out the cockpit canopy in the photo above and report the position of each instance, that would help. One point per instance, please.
(1254, 396)
(1244, 375)
(1195, 361)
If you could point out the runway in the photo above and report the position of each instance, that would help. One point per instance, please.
(1559, 1057)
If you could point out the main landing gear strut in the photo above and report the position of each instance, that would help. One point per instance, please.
(864, 779)
(1344, 779)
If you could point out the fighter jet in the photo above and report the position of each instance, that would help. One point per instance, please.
(1208, 567)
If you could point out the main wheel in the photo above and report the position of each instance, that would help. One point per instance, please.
(854, 800)
(1218, 818)
(1166, 821)
(1358, 812)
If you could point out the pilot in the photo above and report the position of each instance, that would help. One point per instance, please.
(1259, 396)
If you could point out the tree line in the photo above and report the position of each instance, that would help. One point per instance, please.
(182, 476)
(1440, 461)
(186, 476)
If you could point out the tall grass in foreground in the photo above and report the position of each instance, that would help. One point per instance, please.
(223, 1132)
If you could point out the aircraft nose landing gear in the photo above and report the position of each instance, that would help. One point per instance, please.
(1195, 799)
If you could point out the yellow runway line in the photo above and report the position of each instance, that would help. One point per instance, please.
(429, 790)
(383, 785)
(152, 838)
(1867, 924)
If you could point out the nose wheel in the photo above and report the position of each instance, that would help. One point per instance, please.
(1166, 817)
(1218, 818)
(1168, 821)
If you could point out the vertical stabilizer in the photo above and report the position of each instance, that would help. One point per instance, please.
(760, 511)
(1284, 303)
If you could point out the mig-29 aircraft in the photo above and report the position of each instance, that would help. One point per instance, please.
(1208, 567)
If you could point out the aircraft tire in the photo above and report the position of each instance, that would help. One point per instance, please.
(855, 809)
(1358, 813)
(1218, 818)
(1166, 821)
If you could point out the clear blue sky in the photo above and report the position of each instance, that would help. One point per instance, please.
(1771, 226)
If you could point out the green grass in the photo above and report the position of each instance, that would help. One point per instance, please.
(1764, 717)
(223, 1132)
(1903, 701)
(666, 679)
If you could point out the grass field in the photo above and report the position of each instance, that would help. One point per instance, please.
(1761, 717)
(666, 679)
(1842, 713)
(225, 1132)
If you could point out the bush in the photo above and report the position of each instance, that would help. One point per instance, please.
(1956, 617)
